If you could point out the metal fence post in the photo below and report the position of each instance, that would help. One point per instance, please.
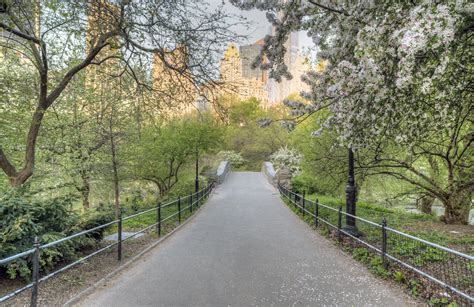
(384, 242)
(191, 202)
(316, 209)
(339, 223)
(119, 236)
(179, 209)
(158, 219)
(304, 203)
(35, 273)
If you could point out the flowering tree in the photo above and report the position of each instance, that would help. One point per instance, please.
(287, 158)
(399, 76)
(235, 158)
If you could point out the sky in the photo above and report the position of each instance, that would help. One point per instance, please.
(259, 24)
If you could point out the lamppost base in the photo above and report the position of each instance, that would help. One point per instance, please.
(352, 230)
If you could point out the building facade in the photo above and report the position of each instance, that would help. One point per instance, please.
(172, 82)
(241, 79)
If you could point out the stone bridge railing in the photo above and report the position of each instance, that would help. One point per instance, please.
(222, 170)
(269, 171)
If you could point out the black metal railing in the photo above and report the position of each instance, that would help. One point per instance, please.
(449, 269)
(189, 202)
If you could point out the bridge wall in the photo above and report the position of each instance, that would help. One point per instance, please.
(222, 170)
(269, 172)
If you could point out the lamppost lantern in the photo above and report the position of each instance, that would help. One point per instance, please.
(351, 192)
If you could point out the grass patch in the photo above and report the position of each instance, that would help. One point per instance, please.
(424, 226)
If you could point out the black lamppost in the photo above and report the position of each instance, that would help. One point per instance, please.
(351, 192)
(196, 182)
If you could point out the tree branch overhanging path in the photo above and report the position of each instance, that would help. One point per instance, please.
(396, 89)
(51, 36)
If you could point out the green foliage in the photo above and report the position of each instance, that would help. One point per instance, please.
(244, 136)
(162, 152)
(399, 277)
(414, 286)
(374, 262)
(22, 218)
(136, 201)
(306, 182)
(93, 219)
(376, 266)
(440, 301)
(245, 112)
(361, 254)
(323, 162)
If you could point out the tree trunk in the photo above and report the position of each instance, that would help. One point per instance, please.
(457, 207)
(115, 173)
(85, 191)
(426, 202)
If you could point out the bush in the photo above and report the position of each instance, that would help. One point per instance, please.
(93, 219)
(22, 218)
(287, 158)
(235, 159)
(399, 277)
(303, 182)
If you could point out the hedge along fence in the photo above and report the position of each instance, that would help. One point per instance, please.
(173, 210)
(447, 268)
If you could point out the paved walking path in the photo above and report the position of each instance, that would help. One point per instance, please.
(246, 248)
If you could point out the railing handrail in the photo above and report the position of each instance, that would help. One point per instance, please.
(301, 201)
(78, 234)
(202, 194)
(447, 249)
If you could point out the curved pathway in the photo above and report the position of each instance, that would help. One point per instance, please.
(246, 248)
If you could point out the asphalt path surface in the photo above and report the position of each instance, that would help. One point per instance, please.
(246, 248)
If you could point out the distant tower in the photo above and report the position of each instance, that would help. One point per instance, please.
(172, 83)
(283, 88)
(230, 68)
(232, 74)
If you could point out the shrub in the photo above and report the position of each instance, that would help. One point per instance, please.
(235, 159)
(286, 158)
(399, 277)
(22, 218)
(361, 254)
(413, 285)
(304, 182)
(93, 219)
(376, 266)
